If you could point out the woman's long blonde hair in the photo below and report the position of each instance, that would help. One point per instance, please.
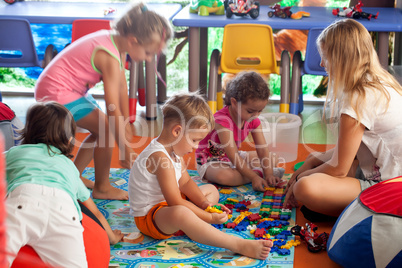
(352, 65)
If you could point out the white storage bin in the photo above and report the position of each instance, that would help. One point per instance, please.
(281, 132)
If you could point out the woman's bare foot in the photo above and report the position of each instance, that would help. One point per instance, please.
(256, 249)
(110, 193)
(88, 183)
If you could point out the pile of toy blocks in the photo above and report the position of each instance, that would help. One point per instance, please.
(272, 221)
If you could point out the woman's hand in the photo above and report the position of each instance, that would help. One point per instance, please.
(290, 199)
(292, 179)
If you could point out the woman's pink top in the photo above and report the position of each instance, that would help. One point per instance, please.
(72, 72)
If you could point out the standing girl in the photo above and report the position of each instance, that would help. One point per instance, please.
(139, 33)
(367, 101)
(218, 157)
(43, 190)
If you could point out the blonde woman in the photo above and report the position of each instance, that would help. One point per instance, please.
(366, 100)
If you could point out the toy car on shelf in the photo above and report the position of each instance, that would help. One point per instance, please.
(12, 1)
(242, 8)
(280, 12)
(355, 12)
(315, 242)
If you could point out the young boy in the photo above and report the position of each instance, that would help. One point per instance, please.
(163, 197)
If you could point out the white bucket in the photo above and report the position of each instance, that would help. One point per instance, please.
(281, 132)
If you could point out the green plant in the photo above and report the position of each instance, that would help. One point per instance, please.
(15, 77)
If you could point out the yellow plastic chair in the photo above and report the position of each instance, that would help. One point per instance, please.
(247, 47)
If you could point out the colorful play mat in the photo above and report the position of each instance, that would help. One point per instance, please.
(262, 211)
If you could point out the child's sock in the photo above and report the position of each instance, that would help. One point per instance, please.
(278, 172)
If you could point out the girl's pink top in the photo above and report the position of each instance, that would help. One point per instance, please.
(72, 72)
(211, 149)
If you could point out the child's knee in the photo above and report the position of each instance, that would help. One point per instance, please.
(226, 176)
(207, 189)
(210, 192)
(180, 213)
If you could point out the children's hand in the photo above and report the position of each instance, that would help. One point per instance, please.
(224, 208)
(206, 204)
(117, 237)
(259, 184)
(219, 218)
(272, 180)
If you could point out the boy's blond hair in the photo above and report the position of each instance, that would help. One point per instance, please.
(189, 110)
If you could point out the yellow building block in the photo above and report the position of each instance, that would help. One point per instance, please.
(226, 191)
(267, 236)
(213, 210)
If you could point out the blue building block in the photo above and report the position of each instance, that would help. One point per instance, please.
(279, 243)
(281, 236)
(218, 226)
(283, 251)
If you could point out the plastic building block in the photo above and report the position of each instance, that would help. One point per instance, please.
(254, 217)
(259, 232)
(240, 228)
(226, 191)
(213, 209)
(283, 251)
(250, 197)
(218, 226)
(230, 225)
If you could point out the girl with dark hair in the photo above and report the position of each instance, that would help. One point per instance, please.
(43, 190)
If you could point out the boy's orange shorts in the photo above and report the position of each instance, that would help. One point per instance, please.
(146, 224)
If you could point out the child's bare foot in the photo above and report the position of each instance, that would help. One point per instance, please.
(110, 193)
(88, 183)
(256, 249)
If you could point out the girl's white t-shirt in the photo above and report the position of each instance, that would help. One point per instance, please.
(380, 153)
